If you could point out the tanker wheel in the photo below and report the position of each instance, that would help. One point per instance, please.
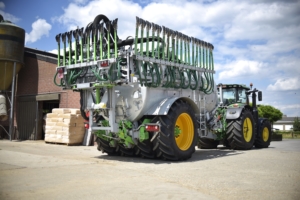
(178, 136)
(225, 143)
(126, 151)
(205, 143)
(240, 132)
(263, 137)
(103, 146)
(145, 149)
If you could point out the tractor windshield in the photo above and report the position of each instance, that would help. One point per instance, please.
(234, 95)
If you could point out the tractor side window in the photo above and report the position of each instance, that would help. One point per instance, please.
(242, 98)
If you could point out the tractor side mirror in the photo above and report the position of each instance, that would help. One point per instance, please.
(259, 95)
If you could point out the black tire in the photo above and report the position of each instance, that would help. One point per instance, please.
(225, 143)
(181, 147)
(240, 132)
(263, 138)
(126, 151)
(205, 143)
(104, 147)
(145, 149)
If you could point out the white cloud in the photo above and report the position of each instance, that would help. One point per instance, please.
(39, 28)
(291, 110)
(7, 16)
(55, 51)
(78, 15)
(285, 84)
(239, 69)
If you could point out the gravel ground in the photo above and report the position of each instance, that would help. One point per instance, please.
(35, 170)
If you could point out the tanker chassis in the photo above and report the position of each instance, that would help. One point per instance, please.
(152, 95)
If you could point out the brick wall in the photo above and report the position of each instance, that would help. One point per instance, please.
(36, 77)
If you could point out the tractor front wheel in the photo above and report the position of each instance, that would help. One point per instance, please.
(263, 138)
(240, 132)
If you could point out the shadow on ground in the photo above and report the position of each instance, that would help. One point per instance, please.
(199, 155)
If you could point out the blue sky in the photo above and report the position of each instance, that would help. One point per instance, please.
(255, 41)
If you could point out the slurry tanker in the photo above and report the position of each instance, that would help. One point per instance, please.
(153, 95)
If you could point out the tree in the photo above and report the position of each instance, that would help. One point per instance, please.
(296, 125)
(269, 112)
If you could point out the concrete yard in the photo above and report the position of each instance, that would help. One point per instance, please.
(35, 170)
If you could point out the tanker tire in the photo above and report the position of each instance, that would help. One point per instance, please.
(225, 143)
(205, 143)
(240, 132)
(126, 151)
(169, 147)
(263, 137)
(145, 149)
(104, 147)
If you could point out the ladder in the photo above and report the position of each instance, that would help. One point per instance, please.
(202, 120)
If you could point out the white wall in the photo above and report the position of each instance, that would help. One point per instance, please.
(283, 127)
(280, 127)
(288, 127)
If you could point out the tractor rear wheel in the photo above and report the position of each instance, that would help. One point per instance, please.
(205, 143)
(240, 132)
(263, 137)
(178, 136)
(104, 146)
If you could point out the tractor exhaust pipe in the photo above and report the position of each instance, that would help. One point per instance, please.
(221, 92)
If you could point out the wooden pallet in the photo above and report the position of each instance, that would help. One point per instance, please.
(61, 143)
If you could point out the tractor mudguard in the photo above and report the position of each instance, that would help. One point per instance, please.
(233, 113)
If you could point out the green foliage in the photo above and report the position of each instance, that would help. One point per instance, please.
(269, 112)
(296, 125)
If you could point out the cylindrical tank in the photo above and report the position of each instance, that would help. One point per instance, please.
(12, 40)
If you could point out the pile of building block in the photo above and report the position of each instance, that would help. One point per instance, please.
(64, 125)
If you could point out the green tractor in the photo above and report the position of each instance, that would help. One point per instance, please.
(235, 122)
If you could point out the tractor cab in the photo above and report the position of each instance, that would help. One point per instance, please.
(233, 93)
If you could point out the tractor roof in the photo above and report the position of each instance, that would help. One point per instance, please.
(234, 86)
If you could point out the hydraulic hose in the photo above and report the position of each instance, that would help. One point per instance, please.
(61, 81)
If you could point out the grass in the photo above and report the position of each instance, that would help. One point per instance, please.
(289, 134)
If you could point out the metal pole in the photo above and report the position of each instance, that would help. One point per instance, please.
(36, 120)
(11, 119)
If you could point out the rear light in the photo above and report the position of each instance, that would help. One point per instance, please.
(86, 126)
(152, 128)
(104, 63)
(60, 72)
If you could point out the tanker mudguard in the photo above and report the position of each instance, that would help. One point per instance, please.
(233, 113)
(163, 107)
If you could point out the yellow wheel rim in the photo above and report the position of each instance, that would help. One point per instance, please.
(265, 134)
(247, 129)
(185, 124)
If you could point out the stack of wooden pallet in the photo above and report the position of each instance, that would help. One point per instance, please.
(65, 126)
